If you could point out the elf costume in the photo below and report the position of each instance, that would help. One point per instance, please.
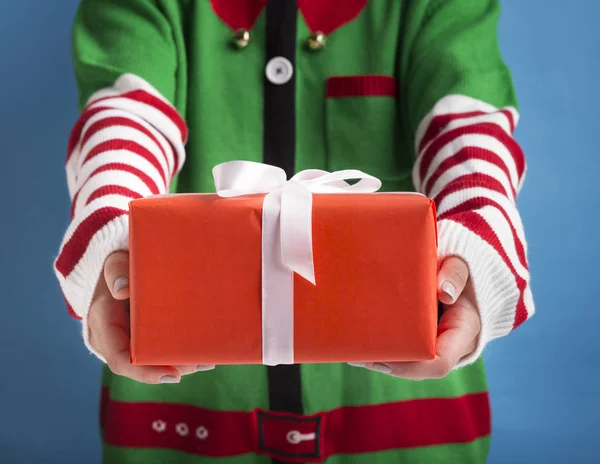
(414, 92)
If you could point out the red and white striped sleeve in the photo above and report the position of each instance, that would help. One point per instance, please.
(128, 143)
(469, 163)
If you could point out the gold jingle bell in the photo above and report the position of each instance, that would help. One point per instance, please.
(316, 41)
(242, 38)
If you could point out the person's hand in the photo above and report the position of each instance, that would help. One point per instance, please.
(108, 322)
(458, 330)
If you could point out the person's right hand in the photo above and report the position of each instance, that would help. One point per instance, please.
(108, 322)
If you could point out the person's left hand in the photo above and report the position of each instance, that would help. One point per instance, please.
(458, 330)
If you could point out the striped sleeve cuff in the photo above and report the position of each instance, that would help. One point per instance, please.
(472, 167)
(128, 143)
(102, 232)
(504, 301)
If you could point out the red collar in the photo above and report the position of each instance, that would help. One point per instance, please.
(320, 15)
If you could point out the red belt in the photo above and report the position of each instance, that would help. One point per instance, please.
(295, 438)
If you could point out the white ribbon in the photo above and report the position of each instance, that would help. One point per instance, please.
(286, 236)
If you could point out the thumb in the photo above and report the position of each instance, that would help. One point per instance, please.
(116, 274)
(452, 279)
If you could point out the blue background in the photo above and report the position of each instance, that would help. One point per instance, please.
(544, 379)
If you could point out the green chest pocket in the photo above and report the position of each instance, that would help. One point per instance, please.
(363, 130)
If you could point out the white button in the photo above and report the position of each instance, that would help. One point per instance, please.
(182, 429)
(202, 432)
(279, 70)
(159, 426)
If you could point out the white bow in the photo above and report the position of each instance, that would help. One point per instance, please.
(286, 236)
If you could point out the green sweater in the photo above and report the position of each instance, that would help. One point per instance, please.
(414, 92)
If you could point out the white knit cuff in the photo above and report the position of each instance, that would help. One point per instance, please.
(494, 286)
(80, 284)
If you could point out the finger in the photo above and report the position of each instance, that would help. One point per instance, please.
(121, 365)
(458, 331)
(185, 370)
(101, 300)
(457, 337)
(452, 279)
(116, 274)
(109, 324)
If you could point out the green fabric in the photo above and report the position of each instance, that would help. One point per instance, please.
(112, 37)
(451, 47)
(115, 455)
(340, 384)
(352, 132)
(217, 389)
(225, 102)
(434, 48)
(471, 453)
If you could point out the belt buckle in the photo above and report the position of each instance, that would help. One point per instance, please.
(290, 437)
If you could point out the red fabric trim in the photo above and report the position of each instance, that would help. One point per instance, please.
(105, 190)
(76, 246)
(521, 312)
(463, 155)
(175, 159)
(137, 95)
(75, 135)
(328, 15)
(480, 202)
(71, 311)
(473, 204)
(238, 14)
(438, 123)
(490, 129)
(73, 203)
(145, 178)
(408, 424)
(362, 86)
(123, 122)
(320, 15)
(142, 96)
(478, 225)
(117, 167)
(117, 121)
(474, 179)
(130, 146)
(112, 190)
(357, 429)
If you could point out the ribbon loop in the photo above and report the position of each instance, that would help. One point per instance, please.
(286, 236)
(366, 183)
(236, 178)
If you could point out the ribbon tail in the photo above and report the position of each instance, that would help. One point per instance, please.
(277, 289)
(296, 230)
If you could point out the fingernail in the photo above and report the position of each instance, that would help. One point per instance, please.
(120, 284)
(204, 368)
(356, 364)
(449, 290)
(383, 368)
(169, 379)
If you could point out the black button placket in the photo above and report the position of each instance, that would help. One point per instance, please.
(279, 142)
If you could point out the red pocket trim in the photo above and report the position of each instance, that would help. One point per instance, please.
(362, 86)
